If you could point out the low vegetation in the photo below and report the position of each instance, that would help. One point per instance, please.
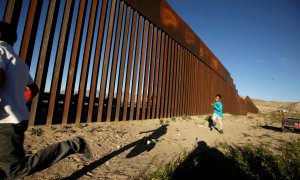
(236, 162)
(274, 117)
(36, 131)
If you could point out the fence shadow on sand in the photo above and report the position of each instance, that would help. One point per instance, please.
(138, 146)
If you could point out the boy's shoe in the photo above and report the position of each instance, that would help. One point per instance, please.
(84, 149)
(2, 174)
(214, 123)
(221, 131)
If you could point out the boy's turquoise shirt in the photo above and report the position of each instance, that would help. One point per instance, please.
(218, 108)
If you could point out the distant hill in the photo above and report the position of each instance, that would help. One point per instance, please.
(269, 106)
(293, 107)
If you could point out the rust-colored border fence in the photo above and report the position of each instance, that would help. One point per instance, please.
(116, 60)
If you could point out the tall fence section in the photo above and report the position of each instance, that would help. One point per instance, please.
(116, 60)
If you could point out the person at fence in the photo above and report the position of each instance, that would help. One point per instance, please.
(14, 79)
(218, 112)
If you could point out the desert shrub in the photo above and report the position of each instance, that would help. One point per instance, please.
(272, 117)
(185, 117)
(36, 131)
(289, 159)
(262, 163)
(167, 171)
(81, 125)
(65, 129)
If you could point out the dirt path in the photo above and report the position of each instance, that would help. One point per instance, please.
(121, 152)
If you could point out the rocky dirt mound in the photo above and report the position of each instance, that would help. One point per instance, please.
(295, 107)
(269, 106)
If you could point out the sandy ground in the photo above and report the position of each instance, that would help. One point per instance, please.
(120, 150)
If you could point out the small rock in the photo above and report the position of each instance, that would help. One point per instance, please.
(107, 163)
(89, 174)
(77, 159)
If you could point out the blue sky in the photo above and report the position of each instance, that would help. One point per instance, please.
(258, 41)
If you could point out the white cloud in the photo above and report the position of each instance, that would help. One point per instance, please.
(260, 61)
(285, 62)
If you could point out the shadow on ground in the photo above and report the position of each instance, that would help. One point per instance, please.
(273, 128)
(211, 124)
(138, 146)
(279, 129)
(207, 163)
(239, 162)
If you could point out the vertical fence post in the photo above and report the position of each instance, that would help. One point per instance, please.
(129, 64)
(105, 61)
(164, 77)
(141, 71)
(169, 79)
(73, 61)
(122, 66)
(174, 80)
(97, 61)
(136, 64)
(160, 77)
(155, 85)
(44, 58)
(62, 45)
(149, 65)
(86, 59)
(12, 12)
(171, 89)
(31, 26)
(177, 70)
(114, 63)
(181, 78)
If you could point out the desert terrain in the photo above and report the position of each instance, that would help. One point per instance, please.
(120, 150)
(270, 106)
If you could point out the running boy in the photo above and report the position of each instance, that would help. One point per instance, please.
(218, 112)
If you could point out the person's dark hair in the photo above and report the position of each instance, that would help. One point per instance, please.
(8, 33)
(218, 95)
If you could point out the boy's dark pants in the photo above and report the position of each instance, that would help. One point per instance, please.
(12, 155)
